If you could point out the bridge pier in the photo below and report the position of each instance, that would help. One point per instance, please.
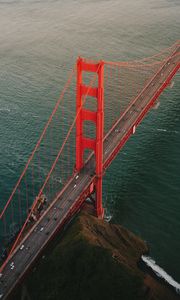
(97, 117)
(99, 207)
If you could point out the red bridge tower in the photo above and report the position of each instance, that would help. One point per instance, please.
(97, 117)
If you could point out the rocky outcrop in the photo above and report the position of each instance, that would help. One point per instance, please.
(94, 260)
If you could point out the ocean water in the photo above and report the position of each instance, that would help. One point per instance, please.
(40, 41)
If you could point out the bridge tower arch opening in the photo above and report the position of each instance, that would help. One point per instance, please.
(97, 117)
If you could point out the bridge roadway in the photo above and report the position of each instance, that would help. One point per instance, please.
(70, 199)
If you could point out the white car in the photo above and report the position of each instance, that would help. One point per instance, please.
(1, 295)
(42, 228)
(77, 176)
(12, 264)
(22, 247)
(12, 267)
(75, 186)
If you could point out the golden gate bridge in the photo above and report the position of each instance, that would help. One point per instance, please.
(100, 107)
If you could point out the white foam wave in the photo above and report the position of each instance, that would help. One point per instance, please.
(108, 217)
(165, 130)
(161, 273)
(160, 129)
(5, 109)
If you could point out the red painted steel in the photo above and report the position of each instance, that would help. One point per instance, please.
(97, 118)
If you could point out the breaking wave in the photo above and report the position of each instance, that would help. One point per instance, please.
(160, 272)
